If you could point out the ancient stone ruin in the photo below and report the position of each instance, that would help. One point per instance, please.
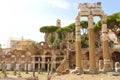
(69, 56)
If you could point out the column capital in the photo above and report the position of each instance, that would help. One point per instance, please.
(90, 17)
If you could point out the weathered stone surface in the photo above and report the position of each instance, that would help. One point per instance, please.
(113, 74)
(63, 68)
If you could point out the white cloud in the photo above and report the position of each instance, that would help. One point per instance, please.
(59, 3)
(24, 18)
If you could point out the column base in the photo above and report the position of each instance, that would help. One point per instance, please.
(92, 69)
(107, 67)
(107, 70)
(77, 71)
(91, 72)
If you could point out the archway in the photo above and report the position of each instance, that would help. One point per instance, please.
(72, 59)
(38, 59)
(86, 61)
(115, 58)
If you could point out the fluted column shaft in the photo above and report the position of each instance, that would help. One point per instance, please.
(105, 44)
(92, 55)
(78, 45)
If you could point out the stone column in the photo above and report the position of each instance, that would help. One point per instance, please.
(117, 66)
(48, 65)
(54, 62)
(19, 70)
(43, 62)
(105, 44)
(78, 46)
(14, 66)
(27, 66)
(39, 66)
(33, 63)
(100, 63)
(92, 55)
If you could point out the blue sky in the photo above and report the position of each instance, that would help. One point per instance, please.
(24, 17)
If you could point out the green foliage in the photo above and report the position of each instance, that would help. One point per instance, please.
(97, 26)
(32, 45)
(67, 29)
(37, 45)
(84, 42)
(51, 38)
(84, 24)
(28, 46)
(48, 29)
(72, 27)
(56, 43)
(71, 41)
(96, 44)
(62, 32)
(113, 21)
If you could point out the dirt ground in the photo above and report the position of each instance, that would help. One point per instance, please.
(43, 76)
(100, 76)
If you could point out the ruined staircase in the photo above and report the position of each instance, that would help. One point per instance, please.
(63, 67)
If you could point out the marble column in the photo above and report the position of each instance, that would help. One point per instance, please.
(105, 45)
(92, 55)
(78, 46)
